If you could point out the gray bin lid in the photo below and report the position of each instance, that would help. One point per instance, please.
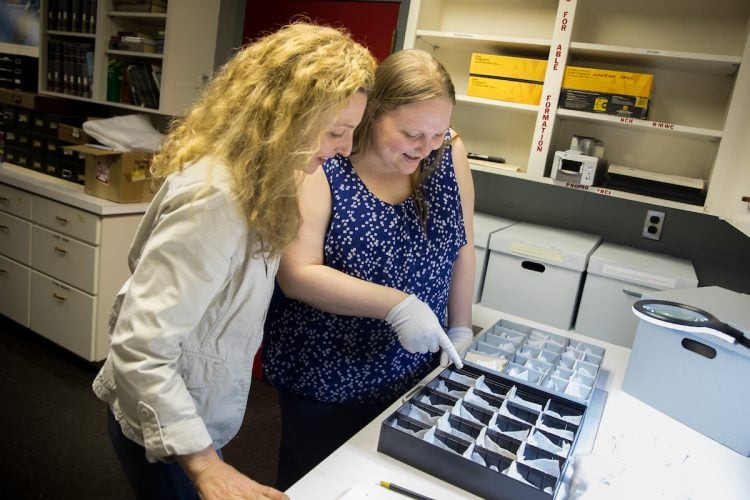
(485, 224)
(550, 245)
(650, 269)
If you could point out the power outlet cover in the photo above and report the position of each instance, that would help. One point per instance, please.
(653, 225)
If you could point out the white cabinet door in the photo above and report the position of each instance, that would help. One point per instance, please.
(729, 197)
(65, 259)
(15, 238)
(67, 220)
(62, 314)
(14, 291)
(14, 201)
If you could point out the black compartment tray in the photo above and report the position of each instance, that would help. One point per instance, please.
(401, 436)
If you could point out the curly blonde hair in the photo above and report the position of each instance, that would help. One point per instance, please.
(263, 114)
(405, 77)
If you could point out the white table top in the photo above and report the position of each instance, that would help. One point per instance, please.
(640, 452)
(64, 191)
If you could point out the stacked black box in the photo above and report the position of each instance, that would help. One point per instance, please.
(29, 128)
(19, 72)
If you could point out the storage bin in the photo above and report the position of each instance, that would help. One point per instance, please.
(495, 437)
(536, 272)
(484, 226)
(616, 277)
(696, 378)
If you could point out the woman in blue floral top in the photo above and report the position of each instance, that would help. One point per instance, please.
(383, 262)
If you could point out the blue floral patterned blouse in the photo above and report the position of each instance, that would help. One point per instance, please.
(346, 359)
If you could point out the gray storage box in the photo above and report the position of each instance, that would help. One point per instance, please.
(484, 226)
(709, 392)
(616, 277)
(535, 272)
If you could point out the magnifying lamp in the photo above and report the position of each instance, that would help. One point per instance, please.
(683, 317)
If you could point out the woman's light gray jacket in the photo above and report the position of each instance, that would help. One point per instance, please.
(187, 324)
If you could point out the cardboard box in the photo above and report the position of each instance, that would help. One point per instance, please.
(72, 135)
(116, 176)
(504, 90)
(616, 277)
(536, 272)
(695, 377)
(606, 91)
(506, 78)
(517, 68)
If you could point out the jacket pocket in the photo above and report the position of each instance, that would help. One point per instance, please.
(199, 370)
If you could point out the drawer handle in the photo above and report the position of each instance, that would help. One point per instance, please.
(61, 220)
(3, 272)
(61, 251)
(4, 200)
(3, 227)
(59, 298)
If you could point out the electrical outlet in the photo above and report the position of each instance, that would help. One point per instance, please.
(653, 225)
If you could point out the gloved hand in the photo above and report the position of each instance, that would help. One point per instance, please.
(419, 330)
(461, 337)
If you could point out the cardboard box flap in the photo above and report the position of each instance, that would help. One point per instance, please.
(93, 149)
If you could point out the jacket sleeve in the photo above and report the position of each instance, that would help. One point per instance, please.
(184, 263)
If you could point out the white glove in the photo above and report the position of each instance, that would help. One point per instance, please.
(461, 337)
(419, 330)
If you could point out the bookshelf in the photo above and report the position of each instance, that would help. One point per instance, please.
(153, 59)
(697, 125)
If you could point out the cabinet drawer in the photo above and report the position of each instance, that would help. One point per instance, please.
(14, 291)
(15, 201)
(62, 314)
(15, 238)
(68, 220)
(64, 259)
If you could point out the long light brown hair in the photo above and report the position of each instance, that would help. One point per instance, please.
(405, 77)
(263, 114)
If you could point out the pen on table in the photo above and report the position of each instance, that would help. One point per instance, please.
(403, 491)
(477, 156)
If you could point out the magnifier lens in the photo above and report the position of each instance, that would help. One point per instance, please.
(667, 312)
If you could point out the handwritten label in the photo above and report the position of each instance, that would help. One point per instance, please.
(603, 191)
(548, 254)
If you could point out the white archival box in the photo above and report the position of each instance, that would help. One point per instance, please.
(536, 271)
(484, 226)
(616, 277)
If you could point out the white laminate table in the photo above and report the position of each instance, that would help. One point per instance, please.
(639, 453)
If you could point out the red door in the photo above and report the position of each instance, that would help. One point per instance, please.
(373, 24)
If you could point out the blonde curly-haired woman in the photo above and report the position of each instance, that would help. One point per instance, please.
(187, 324)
